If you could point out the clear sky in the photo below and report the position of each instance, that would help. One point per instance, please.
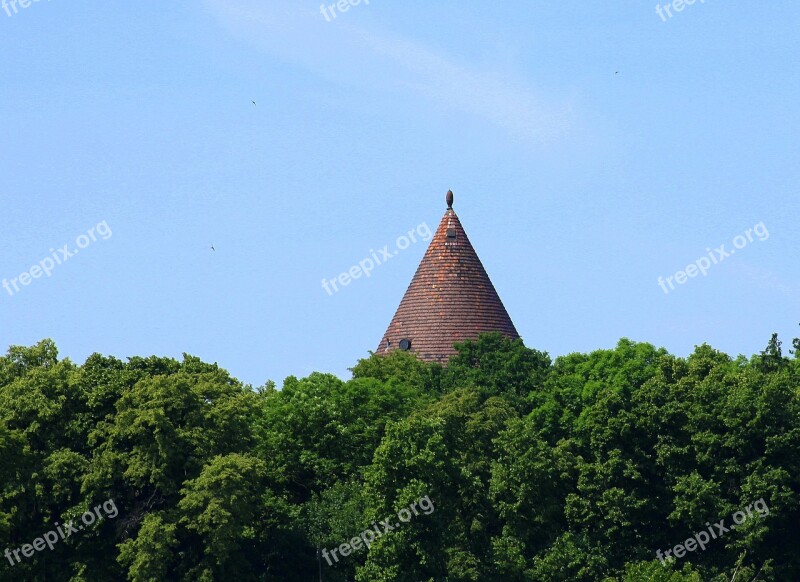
(593, 147)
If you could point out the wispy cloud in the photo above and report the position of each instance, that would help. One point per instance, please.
(765, 279)
(503, 101)
(347, 54)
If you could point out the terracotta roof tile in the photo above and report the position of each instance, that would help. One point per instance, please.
(450, 298)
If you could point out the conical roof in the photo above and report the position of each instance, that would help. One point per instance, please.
(450, 299)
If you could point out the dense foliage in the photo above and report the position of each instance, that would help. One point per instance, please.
(578, 469)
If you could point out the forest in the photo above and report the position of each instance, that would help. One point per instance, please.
(622, 464)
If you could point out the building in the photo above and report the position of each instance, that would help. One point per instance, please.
(450, 299)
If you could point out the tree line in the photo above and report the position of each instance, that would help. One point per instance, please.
(587, 467)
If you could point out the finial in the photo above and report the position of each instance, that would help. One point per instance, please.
(449, 199)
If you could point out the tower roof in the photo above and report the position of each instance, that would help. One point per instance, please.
(450, 299)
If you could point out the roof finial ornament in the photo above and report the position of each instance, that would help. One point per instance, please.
(449, 199)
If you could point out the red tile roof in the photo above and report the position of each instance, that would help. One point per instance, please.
(450, 299)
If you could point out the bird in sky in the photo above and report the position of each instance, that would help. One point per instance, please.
(254, 102)
(213, 249)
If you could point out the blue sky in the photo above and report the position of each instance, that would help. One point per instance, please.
(592, 148)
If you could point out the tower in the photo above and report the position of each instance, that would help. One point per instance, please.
(450, 299)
